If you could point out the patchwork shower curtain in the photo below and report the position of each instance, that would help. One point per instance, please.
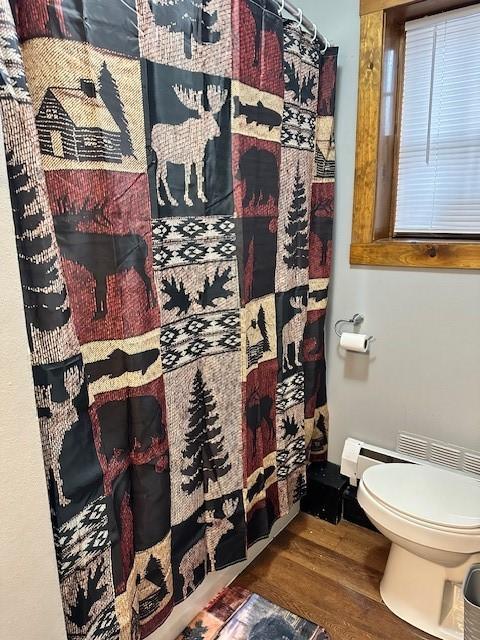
(171, 168)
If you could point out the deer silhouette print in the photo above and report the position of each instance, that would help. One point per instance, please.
(102, 254)
(292, 333)
(184, 144)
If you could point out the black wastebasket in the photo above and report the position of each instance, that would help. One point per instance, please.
(471, 596)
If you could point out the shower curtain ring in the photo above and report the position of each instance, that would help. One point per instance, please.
(281, 8)
(314, 34)
(327, 46)
(300, 18)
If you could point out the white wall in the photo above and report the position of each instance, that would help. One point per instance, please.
(423, 374)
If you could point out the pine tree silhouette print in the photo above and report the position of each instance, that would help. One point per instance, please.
(149, 603)
(154, 574)
(111, 97)
(44, 295)
(297, 227)
(205, 458)
(300, 488)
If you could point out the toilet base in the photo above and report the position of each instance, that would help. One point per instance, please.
(425, 594)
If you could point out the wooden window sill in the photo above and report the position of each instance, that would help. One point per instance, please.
(437, 254)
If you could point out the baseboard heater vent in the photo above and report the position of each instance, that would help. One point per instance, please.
(440, 453)
(412, 445)
(445, 455)
(471, 462)
(358, 456)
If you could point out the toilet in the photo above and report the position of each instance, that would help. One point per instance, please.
(432, 517)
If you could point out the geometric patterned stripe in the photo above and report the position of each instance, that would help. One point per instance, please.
(105, 625)
(298, 128)
(298, 46)
(183, 241)
(290, 392)
(198, 336)
(82, 538)
(291, 458)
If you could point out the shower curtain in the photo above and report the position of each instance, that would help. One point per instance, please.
(171, 169)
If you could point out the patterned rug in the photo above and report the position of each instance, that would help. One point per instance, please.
(238, 614)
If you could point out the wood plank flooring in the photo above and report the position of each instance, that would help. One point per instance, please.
(330, 575)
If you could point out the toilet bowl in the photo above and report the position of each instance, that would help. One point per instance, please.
(432, 517)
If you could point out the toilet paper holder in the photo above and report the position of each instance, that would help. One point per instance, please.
(356, 319)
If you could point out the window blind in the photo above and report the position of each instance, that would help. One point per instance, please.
(438, 189)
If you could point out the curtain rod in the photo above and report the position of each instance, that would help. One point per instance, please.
(286, 5)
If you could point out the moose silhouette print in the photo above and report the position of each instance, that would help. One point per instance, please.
(184, 144)
(193, 19)
(265, 22)
(203, 549)
(292, 334)
(102, 254)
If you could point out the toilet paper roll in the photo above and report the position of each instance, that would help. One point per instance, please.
(354, 342)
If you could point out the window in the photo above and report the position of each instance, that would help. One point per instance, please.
(51, 113)
(90, 141)
(438, 178)
(417, 182)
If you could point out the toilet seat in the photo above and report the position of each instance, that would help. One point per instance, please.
(426, 495)
(389, 509)
(389, 495)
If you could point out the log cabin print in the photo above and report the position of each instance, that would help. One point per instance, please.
(76, 124)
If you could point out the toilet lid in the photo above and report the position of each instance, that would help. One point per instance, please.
(426, 493)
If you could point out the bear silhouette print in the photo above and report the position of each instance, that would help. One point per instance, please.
(258, 169)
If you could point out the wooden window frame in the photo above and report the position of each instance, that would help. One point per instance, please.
(382, 38)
